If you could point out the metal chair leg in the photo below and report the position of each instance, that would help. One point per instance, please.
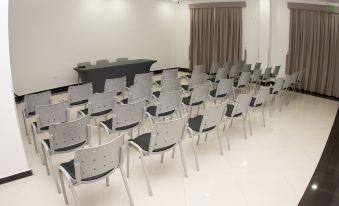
(107, 181)
(99, 135)
(76, 201)
(183, 160)
(263, 116)
(220, 144)
(44, 160)
(249, 120)
(244, 125)
(198, 140)
(126, 187)
(63, 188)
(34, 134)
(206, 135)
(195, 155)
(173, 153)
(127, 161)
(162, 157)
(146, 174)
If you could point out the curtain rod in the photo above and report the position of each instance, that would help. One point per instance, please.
(314, 7)
(236, 4)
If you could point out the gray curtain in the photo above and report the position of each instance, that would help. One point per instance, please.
(216, 36)
(314, 47)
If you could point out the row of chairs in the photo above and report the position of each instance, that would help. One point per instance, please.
(96, 163)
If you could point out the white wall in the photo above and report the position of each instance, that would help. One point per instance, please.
(12, 157)
(49, 37)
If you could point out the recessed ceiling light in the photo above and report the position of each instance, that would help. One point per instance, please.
(314, 187)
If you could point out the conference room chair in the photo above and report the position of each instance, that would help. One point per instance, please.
(78, 95)
(139, 92)
(116, 84)
(294, 80)
(198, 97)
(233, 72)
(284, 91)
(299, 80)
(275, 72)
(99, 104)
(214, 69)
(221, 74)
(167, 105)
(163, 137)
(94, 164)
(266, 77)
(144, 78)
(242, 83)
(82, 65)
(204, 124)
(257, 66)
(246, 68)
(168, 85)
(196, 79)
(31, 102)
(237, 109)
(168, 74)
(122, 59)
(228, 69)
(224, 89)
(255, 78)
(259, 101)
(64, 138)
(46, 115)
(275, 92)
(102, 62)
(197, 69)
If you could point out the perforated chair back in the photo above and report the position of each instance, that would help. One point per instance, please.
(79, 93)
(278, 85)
(167, 134)
(68, 134)
(144, 78)
(170, 85)
(256, 75)
(276, 70)
(213, 115)
(83, 64)
(262, 95)
(99, 160)
(100, 102)
(116, 84)
(257, 66)
(198, 69)
(294, 77)
(244, 79)
(221, 74)
(234, 71)
(287, 83)
(242, 104)
(199, 93)
(102, 62)
(140, 92)
(169, 74)
(122, 59)
(32, 101)
(267, 73)
(247, 68)
(168, 102)
(214, 68)
(224, 87)
(128, 114)
(227, 65)
(53, 113)
(196, 79)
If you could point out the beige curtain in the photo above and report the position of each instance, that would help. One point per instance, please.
(216, 36)
(314, 47)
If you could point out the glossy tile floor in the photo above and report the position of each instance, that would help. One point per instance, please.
(271, 168)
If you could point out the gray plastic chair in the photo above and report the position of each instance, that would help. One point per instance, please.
(137, 93)
(117, 84)
(247, 68)
(168, 85)
(197, 69)
(164, 137)
(198, 97)
(122, 59)
(299, 80)
(275, 71)
(275, 92)
(255, 79)
(286, 85)
(144, 78)
(102, 62)
(167, 105)
(237, 109)
(196, 79)
(92, 165)
(224, 89)
(242, 83)
(221, 74)
(99, 104)
(259, 101)
(168, 74)
(233, 72)
(65, 137)
(257, 66)
(31, 102)
(125, 118)
(265, 78)
(78, 95)
(206, 123)
(46, 115)
(294, 80)
(214, 68)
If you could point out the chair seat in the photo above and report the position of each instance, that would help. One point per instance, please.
(214, 92)
(271, 90)
(65, 149)
(253, 101)
(157, 93)
(42, 128)
(79, 102)
(85, 111)
(195, 123)
(187, 100)
(153, 110)
(109, 124)
(144, 140)
(69, 167)
(185, 87)
(229, 111)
